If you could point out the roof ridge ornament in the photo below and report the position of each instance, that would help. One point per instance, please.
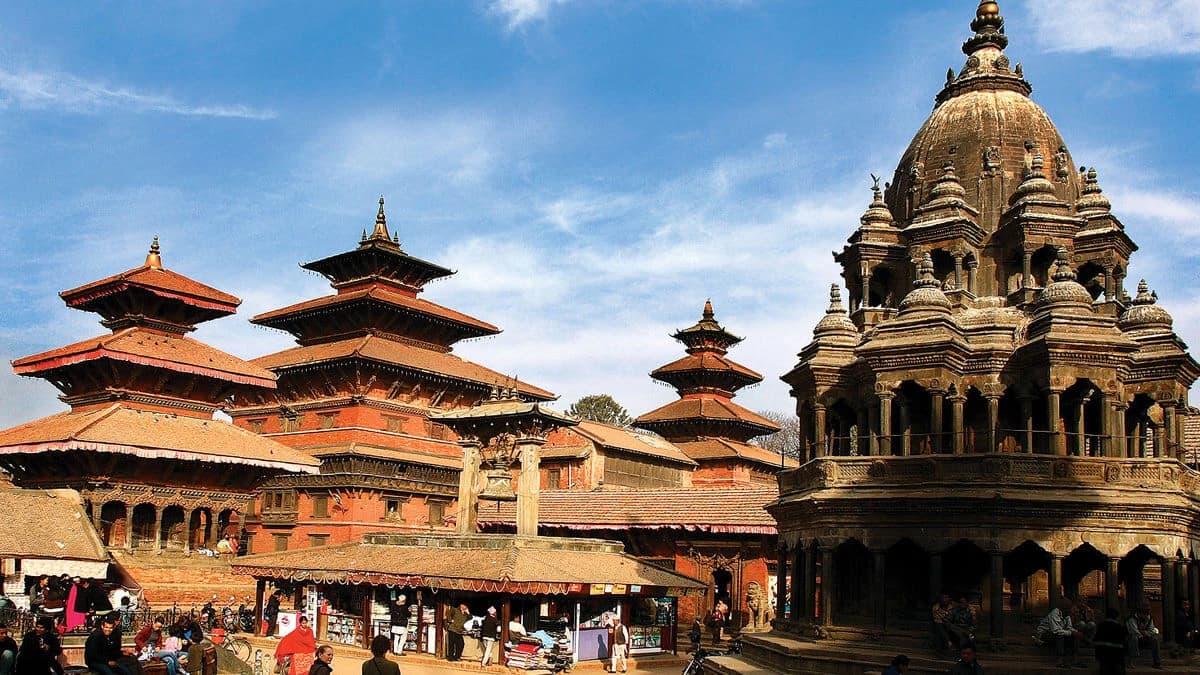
(381, 229)
(154, 257)
(1091, 198)
(1062, 266)
(707, 314)
(988, 26)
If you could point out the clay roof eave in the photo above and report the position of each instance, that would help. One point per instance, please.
(47, 524)
(285, 315)
(160, 282)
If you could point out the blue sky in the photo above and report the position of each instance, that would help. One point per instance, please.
(594, 169)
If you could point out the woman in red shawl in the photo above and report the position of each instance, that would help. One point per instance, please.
(77, 605)
(298, 647)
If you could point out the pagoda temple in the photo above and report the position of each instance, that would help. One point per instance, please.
(157, 473)
(373, 363)
(705, 423)
(993, 417)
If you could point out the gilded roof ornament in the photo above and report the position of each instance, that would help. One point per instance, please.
(154, 257)
(381, 230)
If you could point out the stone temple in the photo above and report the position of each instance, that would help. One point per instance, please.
(993, 414)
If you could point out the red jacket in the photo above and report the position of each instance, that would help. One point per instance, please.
(143, 637)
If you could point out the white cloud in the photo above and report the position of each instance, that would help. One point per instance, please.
(1130, 28)
(32, 90)
(519, 13)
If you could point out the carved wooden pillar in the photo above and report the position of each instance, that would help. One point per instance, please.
(1026, 403)
(158, 513)
(937, 399)
(935, 576)
(97, 522)
(972, 281)
(1171, 446)
(1112, 585)
(1055, 579)
(187, 530)
(1108, 445)
(468, 488)
(905, 428)
(958, 270)
(880, 589)
(819, 449)
(781, 582)
(128, 527)
(1124, 444)
(885, 422)
(956, 422)
(1080, 429)
(1108, 283)
(1168, 600)
(1058, 445)
(993, 409)
(827, 587)
(1161, 448)
(996, 604)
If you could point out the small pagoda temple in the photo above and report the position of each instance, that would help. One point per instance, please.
(705, 423)
(374, 361)
(156, 471)
(993, 417)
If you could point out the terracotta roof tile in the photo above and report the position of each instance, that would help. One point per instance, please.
(707, 409)
(631, 440)
(381, 349)
(153, 435)
(501, 563)
(153, 348)
(739, 510)
(47, 524)
(380, 452)
(397, 300)
(716, 448)
(160, 281)
(707, 361)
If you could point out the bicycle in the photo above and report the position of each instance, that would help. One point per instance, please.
(238, 646)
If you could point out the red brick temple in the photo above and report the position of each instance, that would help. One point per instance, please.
(156, 472)
(373, 362)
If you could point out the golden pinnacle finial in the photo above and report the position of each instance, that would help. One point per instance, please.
(381, 230)
(153, 258)
(708, 310)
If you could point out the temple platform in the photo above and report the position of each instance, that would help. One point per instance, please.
(775, 653)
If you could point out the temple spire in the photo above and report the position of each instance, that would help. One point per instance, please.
(989, 29)
(381, 229)
(707, 314)
(153, 258)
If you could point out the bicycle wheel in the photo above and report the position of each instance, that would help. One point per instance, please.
(240, 648)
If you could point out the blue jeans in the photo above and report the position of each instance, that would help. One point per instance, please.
(171, 659)
(105, 669)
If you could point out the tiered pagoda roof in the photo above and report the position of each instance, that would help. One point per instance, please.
(705, 422)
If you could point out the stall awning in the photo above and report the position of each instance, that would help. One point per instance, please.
(33, 567)
(480, 563)
(48, 525)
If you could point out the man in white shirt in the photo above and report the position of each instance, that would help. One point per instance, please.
(619, 641)
(1056, 626)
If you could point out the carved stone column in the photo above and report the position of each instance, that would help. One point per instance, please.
(781, 582)
(1026, 402)
(158, 513)
(1054, 578)
(1161, 448)
(1171, 445)
(468, 488)
(956, 422)
(1026, 272)
(1108, 283)
(905, 428)
(1112, 585)
(1058, 444)
(818, 430)
(996, 601)
(993, 409)
(958, 270)
(1168, 600)
(972, 266)
(935, 419)
(529, 486)
(880, 559)
(827, 586)
(810, 582)
(1123, 444)
(885, 422)
(1180, 420)
(1080, 429)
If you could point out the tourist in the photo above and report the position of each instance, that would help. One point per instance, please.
(400, 616)
(455, 625)
(1084, 619)
(296, 646)
(717, 619)
(39, 651)
(324, 657)
(1111, 643)
(150, 643)
(967, 664)
(488, 632)
(1143, 634)
(197, 643)
(1056, 627)
(1186, 635)
(103, 652)
(8, 651)
(271, 612)
(379, 664)
(899, 666)
(940, 613)
(619, 642)
(960, 623)
(695, 634)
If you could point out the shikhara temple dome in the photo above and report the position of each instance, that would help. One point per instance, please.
(985, 124)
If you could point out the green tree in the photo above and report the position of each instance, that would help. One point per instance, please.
(600, 408)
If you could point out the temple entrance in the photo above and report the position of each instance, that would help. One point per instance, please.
(143, 522)
(852, 584)
(1141, 583)
(200, 528)
(172, 531)
(906, 568)
(1027, 569)
(114, 524)
(965, 568)
(721, 580)
(1083, 575)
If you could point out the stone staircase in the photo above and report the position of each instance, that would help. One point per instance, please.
(775, 653)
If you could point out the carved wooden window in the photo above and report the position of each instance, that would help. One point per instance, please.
(437, 514)
(437, 430)
(393, 509)
(318, 539)
(281, 541)
(639, 473)
(553, 478)
(320, 504)
(257, 425)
